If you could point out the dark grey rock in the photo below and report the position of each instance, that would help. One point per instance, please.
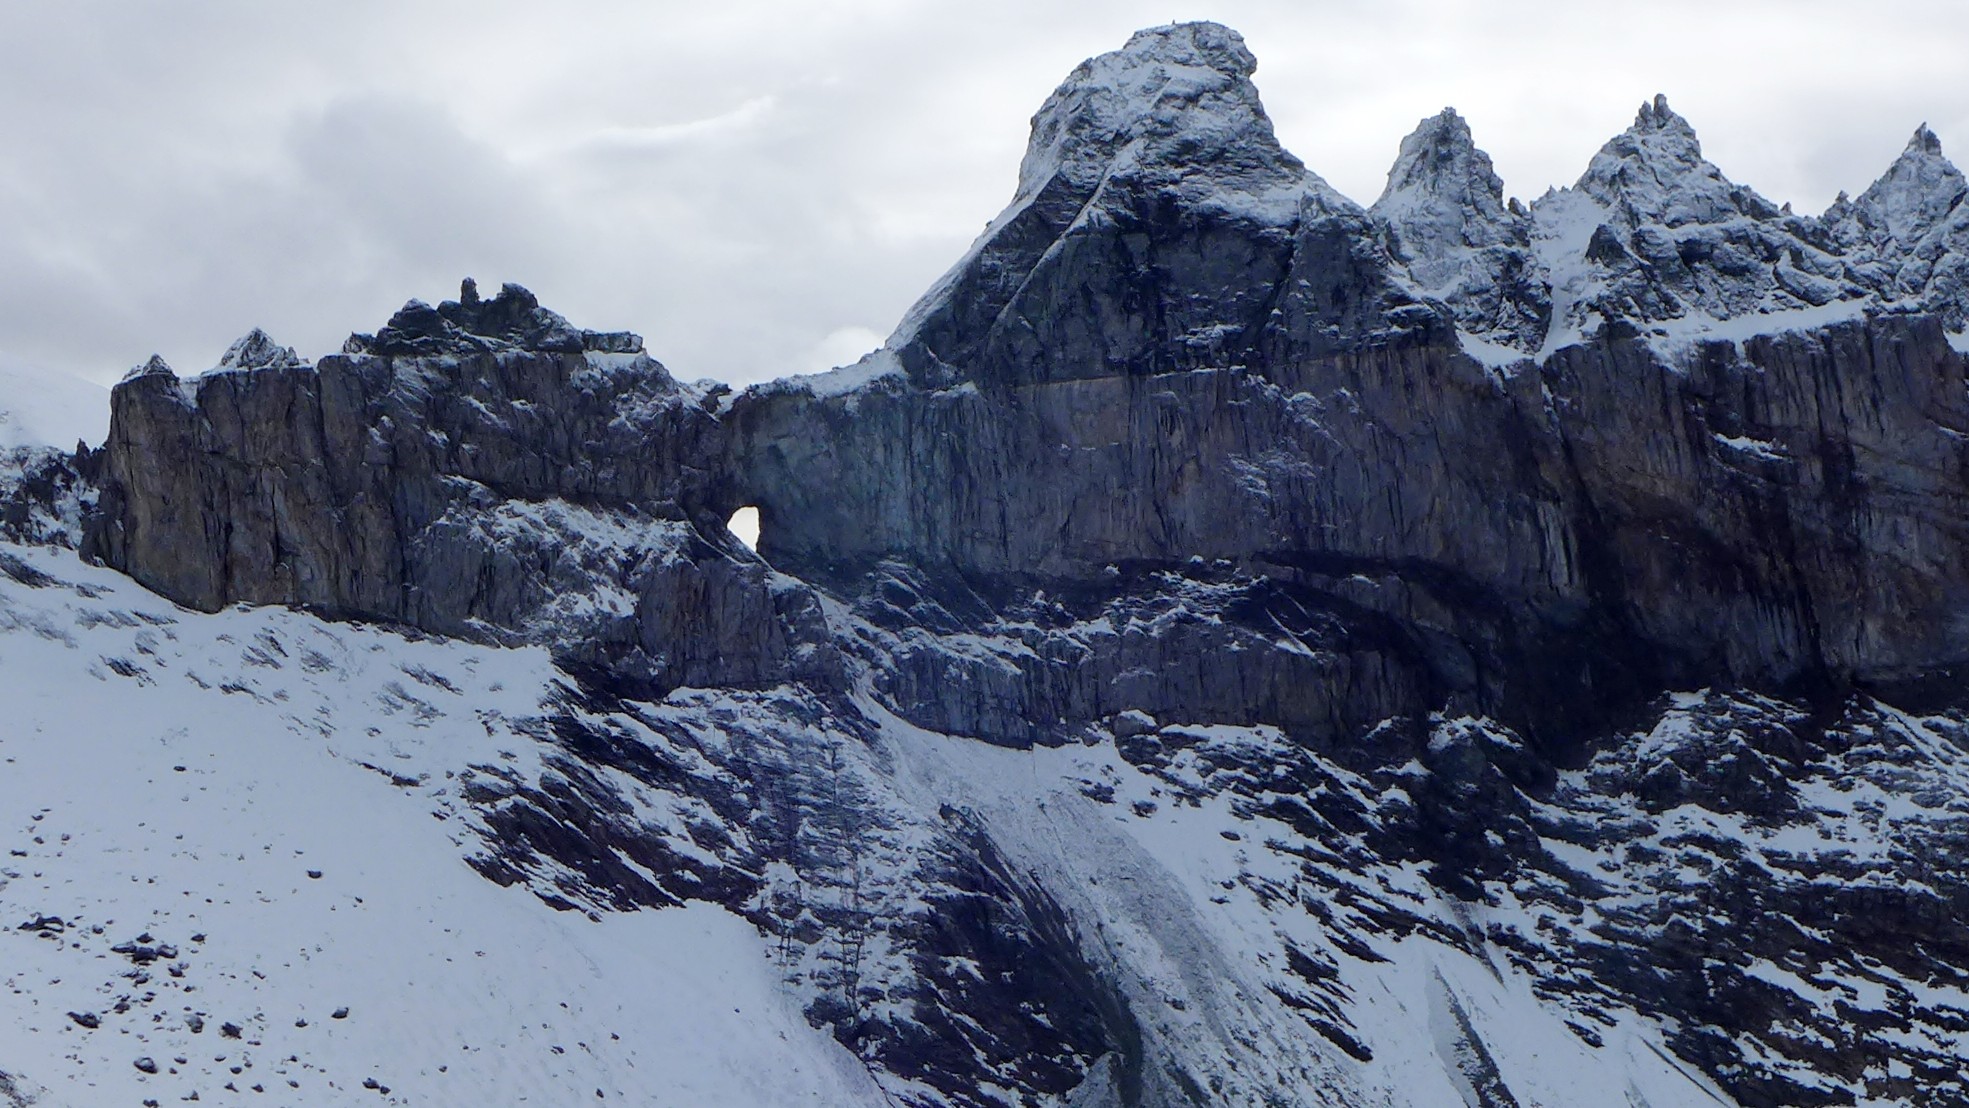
(483, 471)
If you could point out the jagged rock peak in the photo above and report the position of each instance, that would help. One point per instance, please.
(1166, 137)
(155, 367)
(1176, 102)
(1654, 173)
(1443, 218)
(1916, 193)
(1441, 181)
(511, 321)
(257, 350)
(1656, 115)
(1441, 157)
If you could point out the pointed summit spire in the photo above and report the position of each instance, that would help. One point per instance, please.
(1916, 194)
(258, 350)
(1165, 135)
(155, 367)
(1443, 217)
(1657, 116)
(1654, 173)
(1439, 159)
(1176, 101)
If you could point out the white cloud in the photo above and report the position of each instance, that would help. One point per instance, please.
(665, 135)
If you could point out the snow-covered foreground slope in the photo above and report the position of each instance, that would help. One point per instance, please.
(1194, 904)
(248, 856)
(238, 853)
(263, 812)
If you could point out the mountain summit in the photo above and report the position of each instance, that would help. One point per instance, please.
(1654, 173)
(1175, 105)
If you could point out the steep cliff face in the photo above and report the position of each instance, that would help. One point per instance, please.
(478, 469)
(1386, 545)
(1654, 501)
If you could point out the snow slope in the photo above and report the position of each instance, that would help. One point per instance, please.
(255, 841)
(1184, 896)
(237, 855)
(262, 810)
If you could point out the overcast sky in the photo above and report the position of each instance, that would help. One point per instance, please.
(762, 188)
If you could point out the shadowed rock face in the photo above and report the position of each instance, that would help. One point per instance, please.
(1186, 437)
(1786, 512)
(1208, 355)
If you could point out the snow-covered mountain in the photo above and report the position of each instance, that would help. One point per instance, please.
(44, 417)
(1230, 646)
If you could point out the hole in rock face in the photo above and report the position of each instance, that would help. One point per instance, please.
(745, 524)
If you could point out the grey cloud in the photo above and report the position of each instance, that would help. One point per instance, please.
(414, 192)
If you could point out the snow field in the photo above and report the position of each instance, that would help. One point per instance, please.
(272, 800)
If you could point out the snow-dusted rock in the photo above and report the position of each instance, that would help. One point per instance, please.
(1446, 222)
(481, 468)
(1909, 231)
(1155, 194)
(1654, 174)
(257, 350)
(1655, 236)
(44, 484)
(1331, 589)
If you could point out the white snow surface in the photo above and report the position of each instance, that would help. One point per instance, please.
(1168, 888)
(51, 409)
(1563, 223)
(276, 800)
(1494, 355)
(1675, 337)
(874, 366)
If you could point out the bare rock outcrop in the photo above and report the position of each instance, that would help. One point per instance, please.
(480, 468)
